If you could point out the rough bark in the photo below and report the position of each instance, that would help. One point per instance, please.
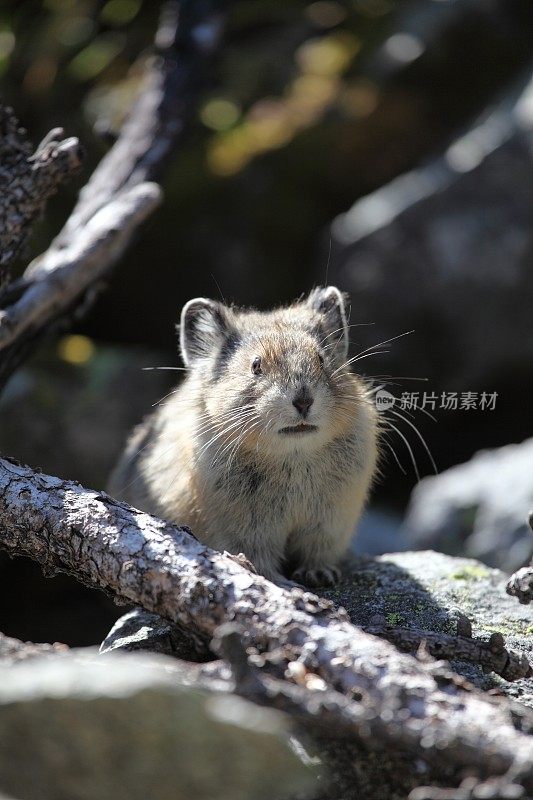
(492, 655)
(27, 180)
(120, 193)
(354, 679)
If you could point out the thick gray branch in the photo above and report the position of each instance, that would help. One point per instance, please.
(120, 193)
(386, 696)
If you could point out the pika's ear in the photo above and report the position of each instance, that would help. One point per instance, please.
(203, 326)
(330, 303)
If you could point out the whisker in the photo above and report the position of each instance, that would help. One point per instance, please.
(374, 347)
(329, 258)
(196, 455)
(333, 344)
(225, 430)
(251, 426)
(394, 377)
(413, 426)
(424, 411)
(400, 434)
(247, 429)
(219, 289)
(227, 424)
(355, 359)
(221, 423)
(375, 389)
(136, 478)
(158, 402)
(391, 448)
(178, 369)
(386, 341)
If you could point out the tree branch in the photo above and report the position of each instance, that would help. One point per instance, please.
(379, 695)
(27, 181)
(491, 655)
(68, 272)
(120, 193)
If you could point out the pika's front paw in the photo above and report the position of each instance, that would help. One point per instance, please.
(318, 576)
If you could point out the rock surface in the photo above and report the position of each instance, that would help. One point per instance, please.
(447, 250)
(80, 726)
(430, 590)
(141, 630)
(479, 508)
(13, 650)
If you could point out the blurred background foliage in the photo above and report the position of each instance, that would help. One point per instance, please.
(310, 106)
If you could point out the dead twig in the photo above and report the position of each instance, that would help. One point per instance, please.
(492, 655)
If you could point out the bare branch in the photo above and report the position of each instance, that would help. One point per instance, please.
(188, 36)
(120, 193)
(491, 655)
(62, 275)
(381, 695)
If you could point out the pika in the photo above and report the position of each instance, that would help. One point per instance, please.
(269, 446)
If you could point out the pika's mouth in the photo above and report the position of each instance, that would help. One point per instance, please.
(303, 427)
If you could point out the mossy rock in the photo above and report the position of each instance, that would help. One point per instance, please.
(428, 590)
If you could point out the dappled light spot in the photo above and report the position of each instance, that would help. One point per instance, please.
(404, 47)
(120, 12)
(40, 75)
(326, 13)
(272, 123)
(96, 57)
(76, 349)
(219, 114)
(329, 55)
(74, 31)
(359, 98)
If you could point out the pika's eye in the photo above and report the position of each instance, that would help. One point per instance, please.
(256, 366)
(321, 359)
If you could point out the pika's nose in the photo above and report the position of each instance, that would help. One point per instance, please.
(303, 402)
